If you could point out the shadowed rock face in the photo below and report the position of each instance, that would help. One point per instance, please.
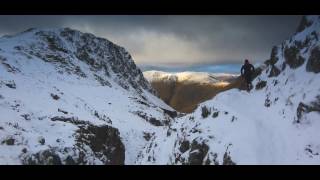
(292, 57)
(103, 141)
(303, 108)
(198, 152)
(313, 64)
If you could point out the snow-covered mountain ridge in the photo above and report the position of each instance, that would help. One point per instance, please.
(68, 97)
(276, 123)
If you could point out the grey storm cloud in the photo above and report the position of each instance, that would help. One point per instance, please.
(164, 39)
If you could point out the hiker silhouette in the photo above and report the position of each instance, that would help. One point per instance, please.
(247, 70)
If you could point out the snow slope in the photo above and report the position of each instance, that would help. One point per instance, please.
(68, 97)
(275, 123)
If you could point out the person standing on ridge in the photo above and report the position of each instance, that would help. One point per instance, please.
(246, 72)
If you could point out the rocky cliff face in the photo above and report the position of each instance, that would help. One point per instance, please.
(68, 97)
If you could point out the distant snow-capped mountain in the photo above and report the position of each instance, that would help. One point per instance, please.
(185, 90)
(189, 77)
(210, 68)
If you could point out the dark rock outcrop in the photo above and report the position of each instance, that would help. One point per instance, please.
(313, 64)
(45, 157)
(304, 23)
(151, 119)
(198, 152)
(205, 112)
(261, 84)
(184, 146)
(227, 159)
(305, 108)
(54, 96)
(104, 141)
(172, 114)
(9, 141)
(11, 84)
(273, 57)
(292, 57)
(215, 114)
(274, 71)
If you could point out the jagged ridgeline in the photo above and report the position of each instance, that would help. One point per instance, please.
(64, 47)
(68, 97)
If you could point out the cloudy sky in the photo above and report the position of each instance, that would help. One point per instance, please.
(169, 39)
